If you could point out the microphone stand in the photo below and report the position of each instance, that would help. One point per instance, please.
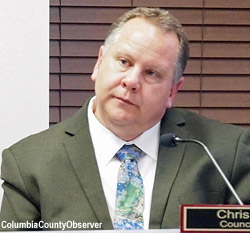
(177, 139)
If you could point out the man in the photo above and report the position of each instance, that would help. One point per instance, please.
(69, 172)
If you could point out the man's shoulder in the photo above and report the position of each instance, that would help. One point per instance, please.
(55, 135)
(213, 133)
(49, 135)
(195, 122)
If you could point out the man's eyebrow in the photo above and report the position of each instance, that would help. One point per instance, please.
(122, 49)
(123, 52)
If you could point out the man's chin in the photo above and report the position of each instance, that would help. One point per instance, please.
(123, 121)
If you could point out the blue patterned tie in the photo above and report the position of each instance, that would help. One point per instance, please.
(129, 195)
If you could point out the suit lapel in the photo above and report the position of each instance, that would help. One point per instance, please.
(168, 164)
(81, 154)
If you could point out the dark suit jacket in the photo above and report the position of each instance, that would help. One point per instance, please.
(53, 176)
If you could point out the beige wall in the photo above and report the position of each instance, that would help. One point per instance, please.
(24, 69)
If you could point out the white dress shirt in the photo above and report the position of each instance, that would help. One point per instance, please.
(106, 144)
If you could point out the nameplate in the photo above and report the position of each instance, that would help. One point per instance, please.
(215, 218)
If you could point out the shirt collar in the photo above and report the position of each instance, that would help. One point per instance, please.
(106, 144)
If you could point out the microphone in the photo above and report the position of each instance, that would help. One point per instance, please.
(171, 140)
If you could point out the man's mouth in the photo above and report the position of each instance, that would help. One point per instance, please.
(125, 100)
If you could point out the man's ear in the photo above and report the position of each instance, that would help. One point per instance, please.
(97, 65)
(174, 90)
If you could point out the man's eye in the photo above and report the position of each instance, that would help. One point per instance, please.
(124, 62)
(152, 73)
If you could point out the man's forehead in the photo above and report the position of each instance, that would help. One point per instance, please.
(138, 22)
(141, 32)
(143, 26)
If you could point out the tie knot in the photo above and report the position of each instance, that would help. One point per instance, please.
(129, 152)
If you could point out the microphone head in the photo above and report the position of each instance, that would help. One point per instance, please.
(168, 140)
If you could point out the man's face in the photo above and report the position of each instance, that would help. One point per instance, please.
(134, 79)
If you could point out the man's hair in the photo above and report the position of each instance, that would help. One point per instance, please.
(160, 18)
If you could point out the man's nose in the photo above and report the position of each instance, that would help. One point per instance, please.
(132, 81)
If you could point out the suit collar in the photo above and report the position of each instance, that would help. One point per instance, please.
(80, 151)
(173, 116)
(78, 122)
(169, 161)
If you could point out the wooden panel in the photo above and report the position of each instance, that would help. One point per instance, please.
(187, 16)
(194, 3)
(54, 48)
(225, 83)
(91, 15)
(54, 2)
(107, 3)
(77, 82)
(225, 99)
(193, 67)
(109, 15)
(194, 33)
(54, 15)
(84, 32)
(81, 48)
(54, 31)
(191, 83)
(67, 112)
(226, 33)
(229, 66)
(54, 98)
(227, 3)
(75, 98)
(54, 82)
(195, 49)
(169, 3)
(54, 114)
(227, 17)
(187, 99)
(236, 116)
(230, 50)
(78, 65)
(54, 65)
